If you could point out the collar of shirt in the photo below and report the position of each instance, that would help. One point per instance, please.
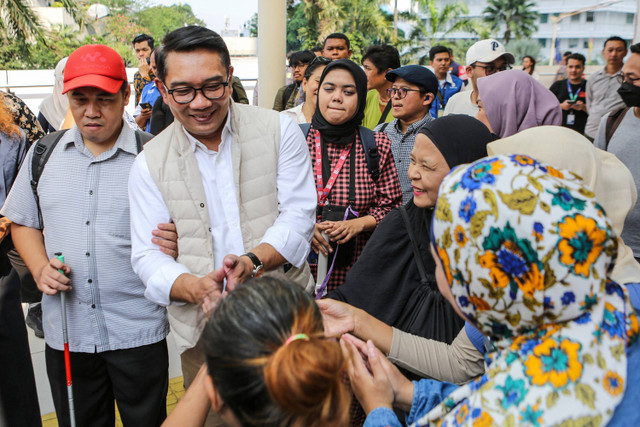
(225, 138)
(126, 142)
(413, 127)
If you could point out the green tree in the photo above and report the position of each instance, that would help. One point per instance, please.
(160, 20)
(362, 20)
(19, 22)
(524, 47)
(517, 17)
(432, 30)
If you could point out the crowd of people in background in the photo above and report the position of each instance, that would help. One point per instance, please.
(460, 241)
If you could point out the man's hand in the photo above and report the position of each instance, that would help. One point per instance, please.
(143, 117)
(566, 105)
(338, 318)
(580, 106)
(372, 387)
(212, 300)
(237, 269)
(143, 67)
(189, 288)
(50, 281)
(166, 237)
(318, 243)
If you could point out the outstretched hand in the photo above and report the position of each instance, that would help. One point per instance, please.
(337, 317)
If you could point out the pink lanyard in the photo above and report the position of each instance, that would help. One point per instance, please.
(323, 193)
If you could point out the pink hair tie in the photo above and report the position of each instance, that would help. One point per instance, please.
(295, 337)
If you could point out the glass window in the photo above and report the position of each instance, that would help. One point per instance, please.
(630, 18)
(589, 16)
(543, 42)
(573, 43)
(575, 18)
(585, 44)
(544, 18)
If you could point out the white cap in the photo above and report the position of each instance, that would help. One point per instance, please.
(488, 51)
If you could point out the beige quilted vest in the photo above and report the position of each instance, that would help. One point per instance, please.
(173, 167)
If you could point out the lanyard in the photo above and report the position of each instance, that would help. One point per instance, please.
(573, 96)
(323, 193)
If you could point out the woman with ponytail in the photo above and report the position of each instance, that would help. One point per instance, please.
(268, 363)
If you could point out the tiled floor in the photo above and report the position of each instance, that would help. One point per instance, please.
(175, 392)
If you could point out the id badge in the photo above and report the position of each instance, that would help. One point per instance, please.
(440, 112)
(571, 119)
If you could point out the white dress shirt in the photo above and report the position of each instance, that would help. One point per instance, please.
(290, 234)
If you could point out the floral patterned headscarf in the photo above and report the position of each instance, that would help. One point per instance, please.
(527, 251)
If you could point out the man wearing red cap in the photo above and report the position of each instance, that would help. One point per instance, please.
(116, 336)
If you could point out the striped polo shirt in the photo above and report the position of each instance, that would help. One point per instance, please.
(85, 215)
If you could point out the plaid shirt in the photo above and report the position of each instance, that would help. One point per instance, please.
(375, 198)
(401, 146)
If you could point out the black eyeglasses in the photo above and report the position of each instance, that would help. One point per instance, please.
(400, 91)
(211, 91)
(492, 69)
(622, 78)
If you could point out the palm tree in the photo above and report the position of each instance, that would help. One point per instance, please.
(19, 22)
(362, 20)
(517, 17)
(439, 22)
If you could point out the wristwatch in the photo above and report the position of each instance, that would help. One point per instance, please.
(258, 267)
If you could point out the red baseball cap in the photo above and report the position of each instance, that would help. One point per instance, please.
(94, 65)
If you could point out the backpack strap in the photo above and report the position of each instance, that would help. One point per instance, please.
(613, 121)
(385, 113)
(142, 138)
(368, 139)
(41, 152)
(384, 126)
(305, 127)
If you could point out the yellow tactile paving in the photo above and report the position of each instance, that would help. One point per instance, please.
(175, 392)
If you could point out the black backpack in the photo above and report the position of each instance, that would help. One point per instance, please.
(368, 143)
(45, 145)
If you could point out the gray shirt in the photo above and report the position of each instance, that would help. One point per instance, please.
(401, 146)
(85, 214)
(602, 98)
(624, 144)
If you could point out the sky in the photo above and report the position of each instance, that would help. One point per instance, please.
(214, 12)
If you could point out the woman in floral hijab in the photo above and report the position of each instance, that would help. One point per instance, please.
(525, 252)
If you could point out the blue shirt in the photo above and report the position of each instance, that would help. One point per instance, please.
(150, 94)
(427, 394)
(451, 86)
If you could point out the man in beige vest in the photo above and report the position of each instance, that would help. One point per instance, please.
(235, 179)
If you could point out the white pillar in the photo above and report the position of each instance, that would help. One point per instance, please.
(272, 40)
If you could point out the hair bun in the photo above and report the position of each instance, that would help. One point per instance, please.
(301, 378)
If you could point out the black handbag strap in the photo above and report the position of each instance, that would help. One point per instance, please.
(416, 250)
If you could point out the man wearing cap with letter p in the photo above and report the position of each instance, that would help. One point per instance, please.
(116, 336)
(484, 58)
(412, 92)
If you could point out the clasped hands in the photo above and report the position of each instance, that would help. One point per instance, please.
(375, 381)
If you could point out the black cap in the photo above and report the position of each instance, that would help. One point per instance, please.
(416, 74)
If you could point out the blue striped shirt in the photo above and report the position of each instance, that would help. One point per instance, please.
(85, 214)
